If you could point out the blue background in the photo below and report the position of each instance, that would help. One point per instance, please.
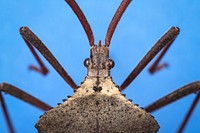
(143, 23)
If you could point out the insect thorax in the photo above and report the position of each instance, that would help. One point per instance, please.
(97, 106)
(90, 111)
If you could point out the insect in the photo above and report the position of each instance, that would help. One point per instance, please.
(27, 33)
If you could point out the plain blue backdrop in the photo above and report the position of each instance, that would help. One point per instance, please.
(143, 23)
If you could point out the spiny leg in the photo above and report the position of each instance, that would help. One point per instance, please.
(169, 36)
(16, 92)
(113, 24)
(32, 39)
(193, 87)
(188, 115)
(7, 117)
(82, 19)
(156, 66)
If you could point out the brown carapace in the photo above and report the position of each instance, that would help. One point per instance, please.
(97, 105)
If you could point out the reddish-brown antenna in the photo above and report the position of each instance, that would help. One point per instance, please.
(115, 20)
(82, 19)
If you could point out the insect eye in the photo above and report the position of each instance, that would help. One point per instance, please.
(111, 63)
(87, 62)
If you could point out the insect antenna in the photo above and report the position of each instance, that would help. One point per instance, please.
(113, 24)
(74, 6)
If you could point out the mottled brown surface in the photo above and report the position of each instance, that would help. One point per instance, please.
(88, 111)
(97, 106)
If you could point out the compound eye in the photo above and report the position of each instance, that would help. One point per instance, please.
(111, 63)
(87, 62)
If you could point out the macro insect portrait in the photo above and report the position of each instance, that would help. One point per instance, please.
(100, 102)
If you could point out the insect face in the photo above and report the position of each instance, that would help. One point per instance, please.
(99, 63)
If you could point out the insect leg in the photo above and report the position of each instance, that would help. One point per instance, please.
(32, 39)
(42, 69)
(189, 113)
(193, 87)
(16, 92)
(168, 37)
(176, 95)
(156, 66)
(7, 117)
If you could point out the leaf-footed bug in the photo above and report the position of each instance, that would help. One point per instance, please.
(98, 66)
